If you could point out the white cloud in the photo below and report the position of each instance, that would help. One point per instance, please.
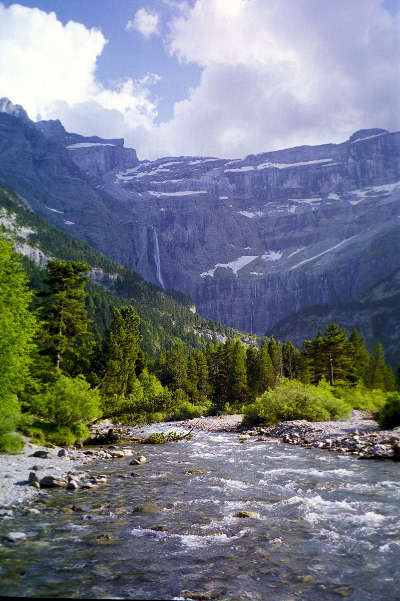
(283, 73)
(274, 74)
(49, 68)
(144, 22)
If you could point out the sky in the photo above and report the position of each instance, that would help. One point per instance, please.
(223, 78)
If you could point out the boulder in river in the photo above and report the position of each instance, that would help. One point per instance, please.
(138, 460)
(53, 482)
(15, 537)
(247, 514)
(147, 508)
(41, 454)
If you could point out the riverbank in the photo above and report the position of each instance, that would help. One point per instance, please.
(358, 435)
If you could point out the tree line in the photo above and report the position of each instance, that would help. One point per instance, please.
(57, 377)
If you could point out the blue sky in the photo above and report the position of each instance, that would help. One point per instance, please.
(210, 77)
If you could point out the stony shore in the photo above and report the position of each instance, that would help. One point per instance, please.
(38, 468)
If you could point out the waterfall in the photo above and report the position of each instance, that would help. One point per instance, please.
(156, 255)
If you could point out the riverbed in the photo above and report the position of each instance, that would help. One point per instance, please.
(323, 527)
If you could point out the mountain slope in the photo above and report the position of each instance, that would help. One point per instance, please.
(164, 318)
(251, 241)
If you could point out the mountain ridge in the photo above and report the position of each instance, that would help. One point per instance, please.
(251, 240)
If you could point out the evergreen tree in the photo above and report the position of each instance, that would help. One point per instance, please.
(313, 351)
(120, 351)
(238, 378)
(290, 356)
(175, 374)
(266, 371)
(276, 358)
(377, 368)
(359, 355)
(336, 351)
(253, 372)
(17, 327)
(63, 312)
(203, 383)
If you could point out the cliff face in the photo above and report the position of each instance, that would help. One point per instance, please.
(251, 241)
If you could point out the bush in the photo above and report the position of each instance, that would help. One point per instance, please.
(292, 400)
(42, 432)
(67, 402)
(389, 416)
(11, 442)
(10, 416)
(186, 410)
(359, 397)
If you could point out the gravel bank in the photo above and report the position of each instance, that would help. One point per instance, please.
(221, 423)
(15, 469)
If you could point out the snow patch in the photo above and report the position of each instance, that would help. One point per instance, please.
(368, 137)
(239, 169)
(224, 197)
(323, 252)
(296, 251)
(55, 210)
(272, 255)
(288, 165)
(87, 145)
(251, 214)
(235, 266)
(178, 193)
(69, 222)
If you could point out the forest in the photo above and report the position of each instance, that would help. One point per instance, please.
(64, 366)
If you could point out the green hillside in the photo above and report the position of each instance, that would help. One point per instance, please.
(165, 316)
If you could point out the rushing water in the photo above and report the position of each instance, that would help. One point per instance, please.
(328, 528)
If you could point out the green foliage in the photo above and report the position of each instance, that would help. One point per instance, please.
(389, 416)
(119, 353)
(161, 438)
(292, 400)
(360, 397)
(11, 443)
(63, 312)
(67, 402)
(17, 324)
(185, 410)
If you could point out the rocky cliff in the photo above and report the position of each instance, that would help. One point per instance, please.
(250, 240)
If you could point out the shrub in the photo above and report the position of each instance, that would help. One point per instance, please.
(11, 442)
(185, 410)
(67, 402)
(389, 416)
(292, 400)
(359, 397)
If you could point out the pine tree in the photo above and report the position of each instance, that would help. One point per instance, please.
(252, 372)
(63, 312)
(238, 377)
(120, 351)
(377, 368)
(275, 354)
(337, 353)
(290, 356)
(360, 356)
(267, 377)
(313, 351)
(203, 383)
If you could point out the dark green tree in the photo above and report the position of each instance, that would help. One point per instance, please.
(62, 308)
(120, 351)
(337, 354)
(237, 377)
(266, 371)
(290, 356)
(360, 356)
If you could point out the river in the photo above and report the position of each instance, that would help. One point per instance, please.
(328, 527)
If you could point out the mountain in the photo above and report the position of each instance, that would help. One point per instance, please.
(252, 241)
(165, 318)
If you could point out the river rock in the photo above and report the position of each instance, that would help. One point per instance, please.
(53, 482)
(147, 508)
(117, 454)
(41, 454)
(138, 460)
(72, 485)
(62, 453)
(247, 514)
(33, 480)
(15, 537)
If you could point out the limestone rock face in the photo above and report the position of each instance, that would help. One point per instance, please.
(251, 240)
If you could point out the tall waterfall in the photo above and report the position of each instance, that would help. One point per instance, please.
(156, 255)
